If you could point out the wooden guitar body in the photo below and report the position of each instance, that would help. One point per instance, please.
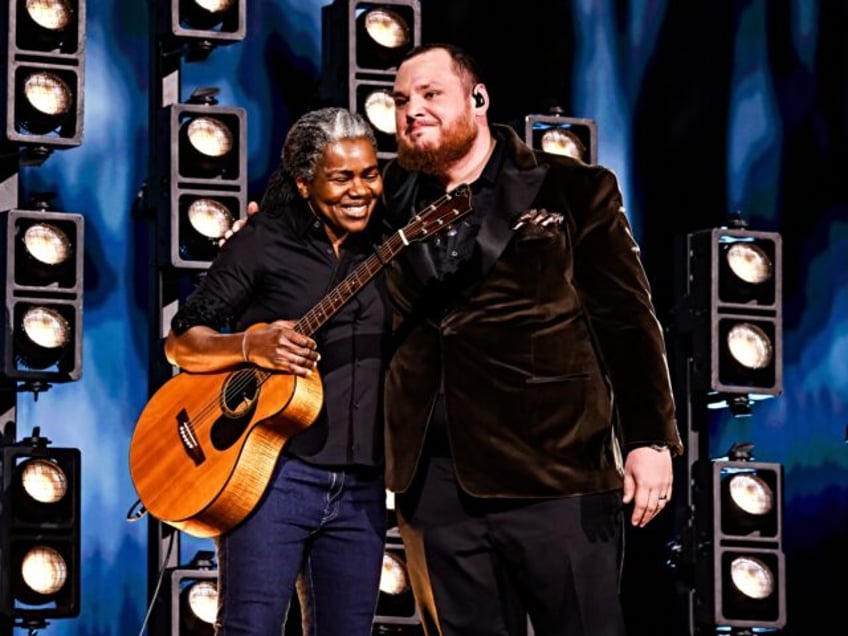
(205, 446)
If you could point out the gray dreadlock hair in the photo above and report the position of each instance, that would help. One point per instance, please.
(305, 143)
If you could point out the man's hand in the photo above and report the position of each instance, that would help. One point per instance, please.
(252, 208)
(647, 482)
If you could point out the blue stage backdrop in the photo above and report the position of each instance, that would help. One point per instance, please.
(701, 111)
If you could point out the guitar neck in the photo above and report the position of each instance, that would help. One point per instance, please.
(315, 318)
(434, 218)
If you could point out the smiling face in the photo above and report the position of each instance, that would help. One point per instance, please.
(434, 112)
(345, 187)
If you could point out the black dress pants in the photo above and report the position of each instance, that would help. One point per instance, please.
(483, 566)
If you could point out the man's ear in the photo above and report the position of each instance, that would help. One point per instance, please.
(480, 96)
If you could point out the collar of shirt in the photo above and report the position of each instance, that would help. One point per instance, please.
(493, 166)
(308, 223)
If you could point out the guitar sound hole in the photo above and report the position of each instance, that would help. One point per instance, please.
(240, 393)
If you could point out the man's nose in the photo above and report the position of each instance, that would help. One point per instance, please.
(413, 107)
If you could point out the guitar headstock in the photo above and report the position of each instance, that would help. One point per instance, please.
(439, 215)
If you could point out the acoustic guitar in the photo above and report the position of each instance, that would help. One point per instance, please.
(205, 445)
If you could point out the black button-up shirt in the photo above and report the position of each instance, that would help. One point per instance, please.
(448, 251)
(453, 247)
(278, 267)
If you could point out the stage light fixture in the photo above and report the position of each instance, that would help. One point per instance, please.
(362, 45)
(570, 136)
(374, 100)
(41, 531)
(43, 267)
(48, 25)
(740, 577)
(44, 75)
(200, 25)
(193, 597)
(382, 34)
(395, 602)
(734, 301)
(206, 177)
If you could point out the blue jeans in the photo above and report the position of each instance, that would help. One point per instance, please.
(321, 529)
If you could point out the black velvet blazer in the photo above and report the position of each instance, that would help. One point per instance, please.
(548, 345)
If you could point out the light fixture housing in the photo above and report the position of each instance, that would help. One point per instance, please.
(40, 548)
(192, 596)
(42, 263)
(45, 68)
(575, 137)
(734, 306)
(395, 602)
(740, 577)
(206, 181)
(200, 25)
(373, 99)
(363, 43)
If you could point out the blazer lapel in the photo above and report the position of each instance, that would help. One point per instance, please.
(515, 193)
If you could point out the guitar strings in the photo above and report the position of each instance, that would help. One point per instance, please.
(243, 379)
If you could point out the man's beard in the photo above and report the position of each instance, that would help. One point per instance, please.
(456, 143)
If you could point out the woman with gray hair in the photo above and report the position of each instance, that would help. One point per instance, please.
(319, 526)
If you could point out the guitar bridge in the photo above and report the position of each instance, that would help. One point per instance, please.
(188, 438)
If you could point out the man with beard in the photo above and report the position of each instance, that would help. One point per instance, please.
(528, 398)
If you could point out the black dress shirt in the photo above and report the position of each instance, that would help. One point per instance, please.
(279, 266)
(448, 251)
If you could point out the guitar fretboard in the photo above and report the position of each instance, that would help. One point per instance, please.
(350, 286)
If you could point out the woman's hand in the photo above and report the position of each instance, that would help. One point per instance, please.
(278, 347)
